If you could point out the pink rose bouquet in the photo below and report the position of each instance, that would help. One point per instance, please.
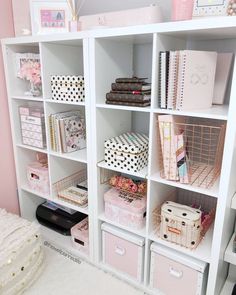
(31, 71)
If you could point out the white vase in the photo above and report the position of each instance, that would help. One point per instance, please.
(34, 90)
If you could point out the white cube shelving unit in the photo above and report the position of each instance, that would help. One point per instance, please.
(101, 56)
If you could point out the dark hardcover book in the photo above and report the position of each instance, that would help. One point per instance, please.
(135, 92)
(127, 97)
(234, 290)
(159, 80)
(130, 86)
(127, 103)
(130, 80)
(164, 57)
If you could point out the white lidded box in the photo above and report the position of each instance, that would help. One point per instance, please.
(123, 251)
(175, 273)
(68, 88)
(128, 151)
(125, 208)
(181, 224)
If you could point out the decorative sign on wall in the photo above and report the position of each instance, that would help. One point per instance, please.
(210, 8)
(50, 16)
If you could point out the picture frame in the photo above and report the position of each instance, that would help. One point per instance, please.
(210, 8)
(49, 16)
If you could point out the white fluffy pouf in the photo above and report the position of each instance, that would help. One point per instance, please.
(21, 253)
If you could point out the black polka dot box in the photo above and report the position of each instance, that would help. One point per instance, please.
(68, 88)
(128, 151)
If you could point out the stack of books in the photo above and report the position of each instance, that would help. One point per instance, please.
(186, 79)
(130, 92)
(67, 131)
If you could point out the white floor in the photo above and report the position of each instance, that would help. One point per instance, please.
(62, 276)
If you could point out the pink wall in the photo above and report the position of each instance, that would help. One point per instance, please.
(21, 14)
(8, 194)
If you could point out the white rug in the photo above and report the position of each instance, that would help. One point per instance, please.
(62, 276)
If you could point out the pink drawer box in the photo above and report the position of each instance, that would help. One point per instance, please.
(174, 272)
(80, 236)
(125, 208)
(123, 251)
(38, 178)
(32, 126)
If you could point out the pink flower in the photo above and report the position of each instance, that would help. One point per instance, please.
(31, 71)
(134, 188)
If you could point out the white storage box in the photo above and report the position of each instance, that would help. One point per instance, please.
(181, 224)
(68, 88)
(123, 251)
(130, 17)
(128, 151)
(175, 273)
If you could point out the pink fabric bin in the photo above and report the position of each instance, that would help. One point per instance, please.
(123, 251)
(125, 208)
(175, 273)
(80, 236)
(38, 178)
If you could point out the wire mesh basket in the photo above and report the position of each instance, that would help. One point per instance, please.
(191, 152)
(67, 189)
(188, 225)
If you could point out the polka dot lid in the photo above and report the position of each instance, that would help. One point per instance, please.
(129, 142)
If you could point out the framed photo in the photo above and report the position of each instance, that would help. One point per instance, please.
(49, 16)
(204, 8)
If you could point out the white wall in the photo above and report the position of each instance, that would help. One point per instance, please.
(98, 6)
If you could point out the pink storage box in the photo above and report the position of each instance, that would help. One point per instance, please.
(38, 178)
(80, 236)
(123, 251)
(32, 126)
(125, 208)
(174, 271)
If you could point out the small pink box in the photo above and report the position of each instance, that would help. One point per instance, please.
(123, 251)
(125, 208)
(174, 271)
(38, 178)
(80, 236)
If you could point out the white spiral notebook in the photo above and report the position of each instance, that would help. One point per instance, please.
(173, 79)
(196, 79)
(163, 78)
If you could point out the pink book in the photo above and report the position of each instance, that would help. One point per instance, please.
(168, 129)
(196, 79)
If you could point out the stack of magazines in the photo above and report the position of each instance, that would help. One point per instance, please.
(130, 92)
